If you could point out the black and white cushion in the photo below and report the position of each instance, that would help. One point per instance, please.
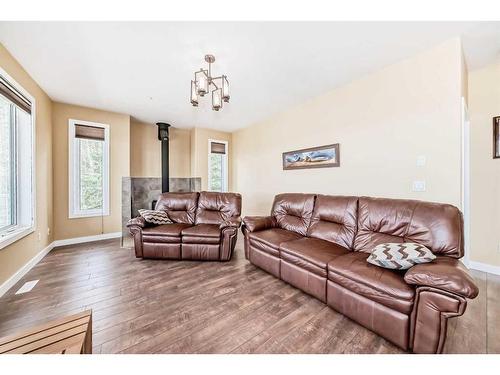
(400, 256)
(155, 217)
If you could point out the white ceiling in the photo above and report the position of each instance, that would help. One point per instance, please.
(144, 68)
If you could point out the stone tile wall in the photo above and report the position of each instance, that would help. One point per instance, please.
(140, 192)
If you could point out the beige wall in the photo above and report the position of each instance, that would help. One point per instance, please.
(119, 165)
(13, 257)
(199, 154)
(484, 104)
(145, 151)
(382, 122)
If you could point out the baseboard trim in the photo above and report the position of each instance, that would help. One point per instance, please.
(77, 240)
(11, 281)
(495, 270)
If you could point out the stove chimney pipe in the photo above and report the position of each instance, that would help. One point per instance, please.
(164, 138)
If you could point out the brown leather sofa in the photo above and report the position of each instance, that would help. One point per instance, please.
(205, 227)
(320, 243)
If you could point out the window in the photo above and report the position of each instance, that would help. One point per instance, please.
(217, 165)
(16, 161)
(89, 169)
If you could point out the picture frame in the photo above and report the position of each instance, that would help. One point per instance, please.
(327, 156)
(496, 137)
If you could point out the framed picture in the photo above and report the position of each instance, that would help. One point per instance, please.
(496, 137)
(315, 157)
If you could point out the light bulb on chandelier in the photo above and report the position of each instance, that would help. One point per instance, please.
(204, 82)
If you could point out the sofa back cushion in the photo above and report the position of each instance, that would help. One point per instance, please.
(293, 211)
(215, 208)
(335, 219)
(439, 227)
(180, 207)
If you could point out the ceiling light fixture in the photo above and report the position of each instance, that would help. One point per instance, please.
(204, 82)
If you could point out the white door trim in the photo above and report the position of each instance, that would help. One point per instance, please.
(465, 183)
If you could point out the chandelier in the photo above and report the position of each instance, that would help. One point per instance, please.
(204, 82)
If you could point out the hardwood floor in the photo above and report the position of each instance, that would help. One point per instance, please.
(148, 306)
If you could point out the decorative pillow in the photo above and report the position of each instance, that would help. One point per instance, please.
(155, 217)
(400, 256)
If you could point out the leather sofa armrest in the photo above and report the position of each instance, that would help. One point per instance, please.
(232, 222)
(136, 222)
(443, 273)
(135, 227)
(257, 223)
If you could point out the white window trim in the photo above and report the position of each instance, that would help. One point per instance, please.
(73, 175)
(18, 232)
(224, 165)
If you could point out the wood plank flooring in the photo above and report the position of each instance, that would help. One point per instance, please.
(148, 306)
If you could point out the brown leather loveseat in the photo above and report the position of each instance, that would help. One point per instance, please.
(320, 244)
(205, 227)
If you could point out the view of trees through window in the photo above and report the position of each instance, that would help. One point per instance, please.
(91, 174)
(216, 182)
(6, 166)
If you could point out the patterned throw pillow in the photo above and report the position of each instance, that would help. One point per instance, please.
(155, 217)
(400, 256)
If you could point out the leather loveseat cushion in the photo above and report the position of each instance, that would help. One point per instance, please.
(202, 233)
(311, 254)
(270, 240)
(381, 285)
(180, 207)
(164, 233)
(216, 208)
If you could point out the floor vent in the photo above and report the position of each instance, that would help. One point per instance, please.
(27, 287)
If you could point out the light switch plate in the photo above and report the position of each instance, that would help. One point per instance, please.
(418, 186)
(421, 160)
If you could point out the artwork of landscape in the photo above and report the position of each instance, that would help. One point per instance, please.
(315, 157)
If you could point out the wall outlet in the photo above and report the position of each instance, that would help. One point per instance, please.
(48, 231)
(418, 186)
(39, 236)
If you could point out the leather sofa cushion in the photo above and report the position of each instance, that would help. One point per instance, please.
(335, 219)
(293, 211)
(311, 254)
(436, 226)
(216, 208)
(169, 230)
(381, 285)
(270, 240)
(180, 207)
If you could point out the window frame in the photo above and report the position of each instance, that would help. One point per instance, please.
(225, 161)
(74, 211)
(14, 178)
(20, 229)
